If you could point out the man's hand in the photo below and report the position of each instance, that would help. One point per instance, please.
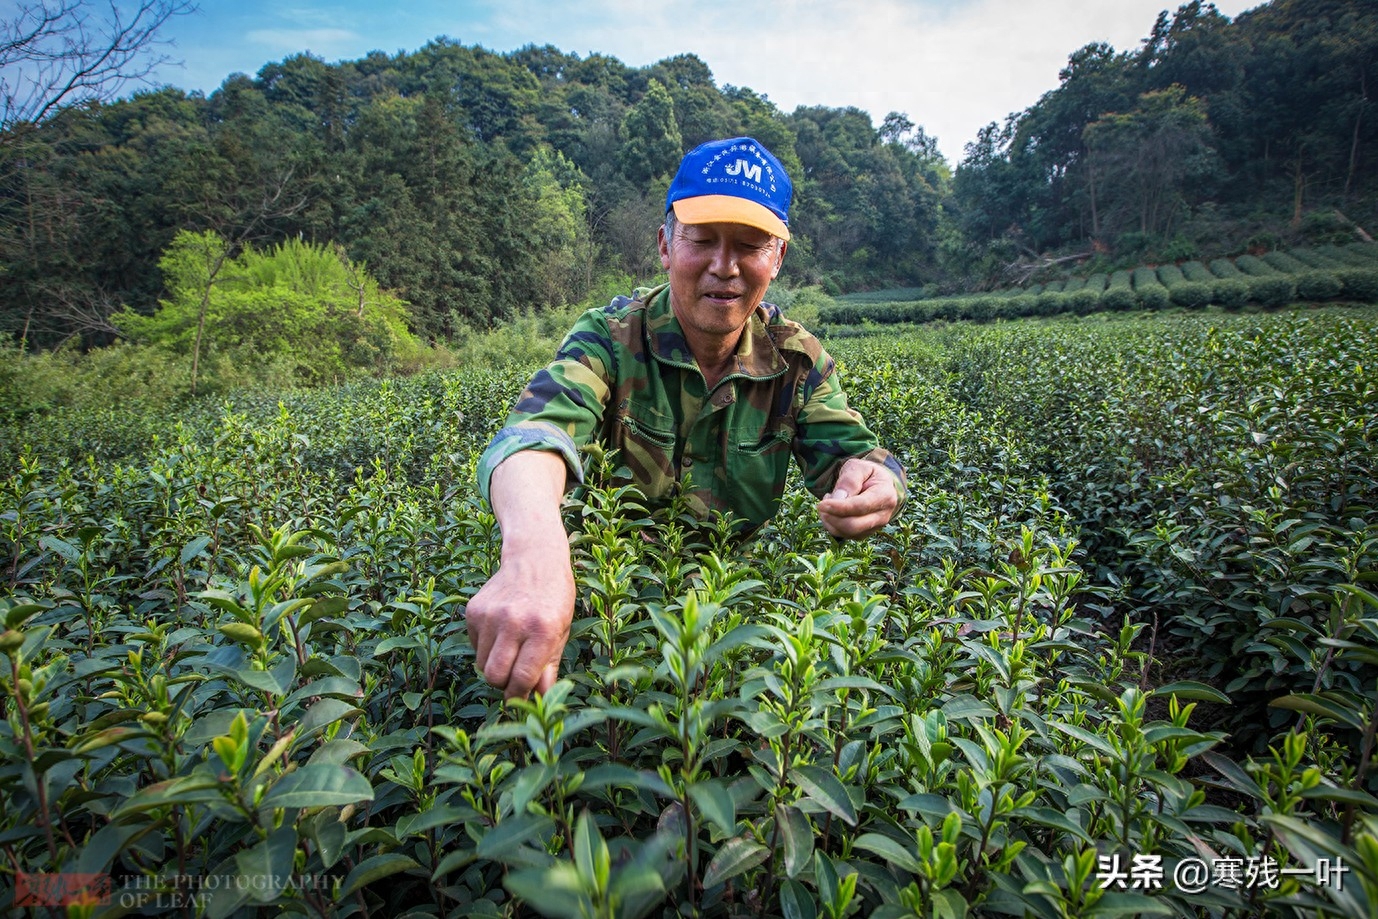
(863, 500)
(519, 621)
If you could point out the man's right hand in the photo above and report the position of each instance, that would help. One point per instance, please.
(519, 621)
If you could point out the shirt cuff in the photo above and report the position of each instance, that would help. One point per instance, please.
(892, 465)
(527, 435)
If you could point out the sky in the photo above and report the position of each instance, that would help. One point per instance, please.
(952, 66)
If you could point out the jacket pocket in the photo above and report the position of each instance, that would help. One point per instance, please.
(646, 443)
(757, 471)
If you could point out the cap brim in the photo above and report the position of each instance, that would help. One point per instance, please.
(729, 209)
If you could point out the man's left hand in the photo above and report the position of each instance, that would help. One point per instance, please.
(863, 500)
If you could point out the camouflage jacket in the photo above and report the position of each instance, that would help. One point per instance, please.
(625, 376)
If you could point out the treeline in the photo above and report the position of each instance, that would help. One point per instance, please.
(1214, 136)
(478, 186)
(474, 185)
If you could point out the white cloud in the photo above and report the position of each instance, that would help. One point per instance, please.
(324, 41)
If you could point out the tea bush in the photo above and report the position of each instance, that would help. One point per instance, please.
(1151, 293)
(1360, 284)
(1197, 272)
(1318, 286)
(1171, 448)
(1274, 289)
(238, 651)
(1230, 293)
(1285, 262)
(1119, 293)
(1083, 301)
(1224, 268)
(1319, 275)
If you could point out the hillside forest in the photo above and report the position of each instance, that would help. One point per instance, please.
(468, 187)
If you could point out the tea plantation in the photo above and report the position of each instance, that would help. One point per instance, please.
(1116, 657)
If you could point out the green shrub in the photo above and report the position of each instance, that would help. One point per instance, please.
(1097, 282)
(1118, 299)
(1195, 271)
(1325, 226)
(1366, 251)
(1284, 262)
(980, 309)
(1169, 276)
(1051, 303)
(947, 309)
(1153, 297)
(1151, 293)
(1224, 268)
(1191, 295)
(1255, 267)
(805, 305)
(299, 307)
(1347, 256)
(1083, 301)
(1230, 293)
(1119, 293)
(1359, 284)
(1272, 290)
(1178, 249)
(841, 314)
(1318, 286)
(241, 652)
(1313, 258)
(1023, 305)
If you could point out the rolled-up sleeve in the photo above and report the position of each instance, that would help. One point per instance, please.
(562, 407)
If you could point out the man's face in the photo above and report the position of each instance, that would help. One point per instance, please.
(719, 272)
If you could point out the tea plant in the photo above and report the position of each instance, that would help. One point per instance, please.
(238, 652)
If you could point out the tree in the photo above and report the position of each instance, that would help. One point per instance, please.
(298, 306)
(652, 144)
(564, 257)
(59, 52)
(1144, 160)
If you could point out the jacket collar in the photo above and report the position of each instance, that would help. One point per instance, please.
(757, 356)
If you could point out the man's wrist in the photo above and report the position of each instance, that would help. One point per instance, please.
(535, 548)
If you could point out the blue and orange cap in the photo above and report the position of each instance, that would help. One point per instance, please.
(732, 181)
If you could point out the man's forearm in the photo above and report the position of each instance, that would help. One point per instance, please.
(526, 491)
(519, 620)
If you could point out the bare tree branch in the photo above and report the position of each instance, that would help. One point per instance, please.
(71, 312)
(60, 52)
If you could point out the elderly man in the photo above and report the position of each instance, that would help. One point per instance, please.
(699, 384)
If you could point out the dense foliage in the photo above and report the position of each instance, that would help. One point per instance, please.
(311, 312)
(478, 185)
(234, 647)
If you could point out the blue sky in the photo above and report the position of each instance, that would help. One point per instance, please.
(951, 66)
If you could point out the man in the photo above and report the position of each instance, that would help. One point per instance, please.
(699, 385)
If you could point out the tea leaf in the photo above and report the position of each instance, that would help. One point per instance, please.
(318, 785)
(375, 868)
(737, 855)
(824, 788)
